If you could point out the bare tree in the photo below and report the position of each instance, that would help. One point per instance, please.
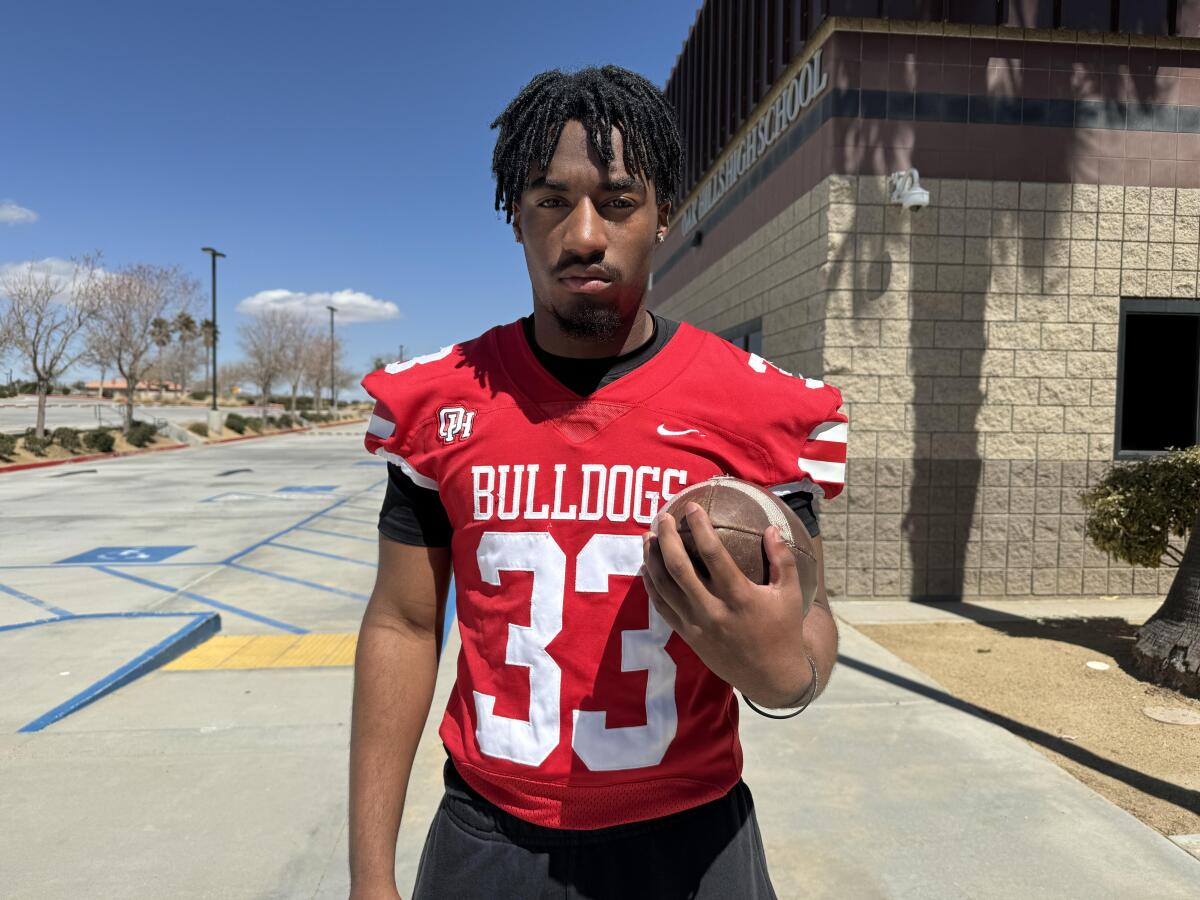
(301, 332)
(231, 376)
(183, 361)
(45, 315)
(266, 345)
(95, 353)
(127, 302)
(316, 368)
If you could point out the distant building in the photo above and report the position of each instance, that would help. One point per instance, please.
(145, 390)
(998, 350)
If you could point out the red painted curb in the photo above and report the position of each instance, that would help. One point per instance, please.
(91, 457)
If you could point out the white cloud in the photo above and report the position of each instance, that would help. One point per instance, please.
(62, 270)
(12, 214)
(352, 306)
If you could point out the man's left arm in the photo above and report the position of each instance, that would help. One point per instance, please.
(820, 628)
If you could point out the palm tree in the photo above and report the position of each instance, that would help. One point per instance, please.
(1167, 648)
(187, 331)
(160, 332)
(1133, 511)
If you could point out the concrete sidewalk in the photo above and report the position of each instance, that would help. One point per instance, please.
(889, 787)
(232, 784)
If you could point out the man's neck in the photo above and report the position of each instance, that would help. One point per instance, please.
(551, 338)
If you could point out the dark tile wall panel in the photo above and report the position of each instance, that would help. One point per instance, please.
(968, 108)
(738, 48)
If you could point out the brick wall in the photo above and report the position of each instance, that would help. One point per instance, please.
(975, 344)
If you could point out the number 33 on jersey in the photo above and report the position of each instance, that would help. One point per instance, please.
(575, 705)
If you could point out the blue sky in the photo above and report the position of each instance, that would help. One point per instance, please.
(323, 146)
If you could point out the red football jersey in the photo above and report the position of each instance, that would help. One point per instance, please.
(576, 705)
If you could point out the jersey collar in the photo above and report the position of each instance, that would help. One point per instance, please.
(530, 378)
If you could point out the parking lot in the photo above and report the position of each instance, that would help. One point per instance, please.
(215, 775)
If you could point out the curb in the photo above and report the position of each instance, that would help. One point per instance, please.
(201, 628)
(94, 457)
(91, 457)
(251, 437)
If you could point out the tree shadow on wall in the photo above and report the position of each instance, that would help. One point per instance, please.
(977, 255)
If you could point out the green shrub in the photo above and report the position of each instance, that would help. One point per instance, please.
(200, 428)
(100, 440)
(255, 424)
(1136, 507)
(140, 434)
(36, 445)
(236, 423)
(199, 395)
(286, 421)
(8, 445)
(67, 438)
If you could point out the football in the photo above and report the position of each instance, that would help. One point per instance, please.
(740, 512)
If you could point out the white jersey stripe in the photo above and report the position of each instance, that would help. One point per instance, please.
(381, 427)
(830, 431)
(805, 484)
(418, 479)
(830, 472)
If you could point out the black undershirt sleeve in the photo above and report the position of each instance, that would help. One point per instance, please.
(801, 504)
(411, 514)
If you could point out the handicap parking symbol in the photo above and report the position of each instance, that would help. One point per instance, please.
(125, 555)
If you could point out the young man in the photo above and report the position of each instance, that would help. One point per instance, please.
(591, 732)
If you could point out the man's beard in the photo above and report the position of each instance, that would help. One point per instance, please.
(588, 320)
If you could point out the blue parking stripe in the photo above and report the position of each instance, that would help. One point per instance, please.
(236, 556)
(339, 534)
(155, 565)
(357, 562)
(353, 595)
(208, 601)
(373, 524)
(202, 626)
(21, 595)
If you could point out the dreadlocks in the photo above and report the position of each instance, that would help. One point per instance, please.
(600, 98)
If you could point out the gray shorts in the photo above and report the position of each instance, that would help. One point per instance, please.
(477, 850)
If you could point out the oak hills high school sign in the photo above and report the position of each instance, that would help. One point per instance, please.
(809, 82)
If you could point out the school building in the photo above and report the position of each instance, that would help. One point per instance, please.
(1004, 340)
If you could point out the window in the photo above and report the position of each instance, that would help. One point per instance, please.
(748, 336)
(1158, 377)
(1086, 15)
(1145, 16)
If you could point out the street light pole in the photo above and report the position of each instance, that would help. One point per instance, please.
(214, 254)
(332, 381)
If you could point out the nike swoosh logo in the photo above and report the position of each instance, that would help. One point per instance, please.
(666, 432)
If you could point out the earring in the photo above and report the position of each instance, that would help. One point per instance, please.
(659, 238)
